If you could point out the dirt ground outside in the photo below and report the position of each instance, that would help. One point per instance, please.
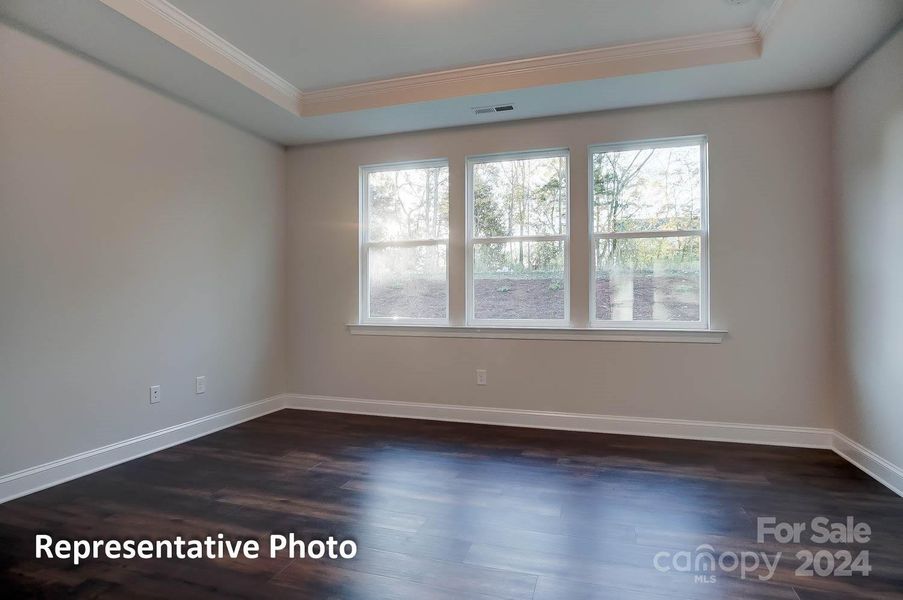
(529, 298)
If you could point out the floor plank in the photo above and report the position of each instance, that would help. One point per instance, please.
(451, 511)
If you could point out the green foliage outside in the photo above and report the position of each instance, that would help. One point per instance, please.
(520, 198)
(650, 190)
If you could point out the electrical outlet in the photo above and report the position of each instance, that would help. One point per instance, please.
(154, 394)
(200, 384)
(481, 376)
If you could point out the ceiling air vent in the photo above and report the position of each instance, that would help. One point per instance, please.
(485, 110)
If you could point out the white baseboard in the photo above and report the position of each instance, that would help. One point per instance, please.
(805, 437)
(36, 478)
(33, 479)
(879, 468)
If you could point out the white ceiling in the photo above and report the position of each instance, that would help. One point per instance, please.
(317, 43)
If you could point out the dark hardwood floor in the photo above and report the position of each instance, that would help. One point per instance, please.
(452, 511)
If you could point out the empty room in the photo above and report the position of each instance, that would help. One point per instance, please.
(451, 299)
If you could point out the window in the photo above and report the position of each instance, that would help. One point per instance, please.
(517, 239)
(649, 234)
(404, 243)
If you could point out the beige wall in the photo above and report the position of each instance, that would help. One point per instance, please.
(770, 262)
(140, 244)
(869, 159)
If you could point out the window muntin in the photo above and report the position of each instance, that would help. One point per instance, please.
(649, 237)
(404, 242)
(517, 239)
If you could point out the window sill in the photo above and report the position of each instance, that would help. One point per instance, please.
(695, 336)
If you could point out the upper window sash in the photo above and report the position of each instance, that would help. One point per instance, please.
(639, 201)
(524, 224)
(429, 221)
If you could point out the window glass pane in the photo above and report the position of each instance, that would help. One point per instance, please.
(408, 204)
(408, 282)
(519, 280)
(647, 279)
(654, 189)
(520, 197)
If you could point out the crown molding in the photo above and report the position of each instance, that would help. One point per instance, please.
(595, 63)
(191, 36)
(767, 18)
(183, 31)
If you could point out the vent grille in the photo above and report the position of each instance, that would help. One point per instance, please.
(485, 110)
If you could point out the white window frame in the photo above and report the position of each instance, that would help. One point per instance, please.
(365, 244)
(702, 233)
(470, 319)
